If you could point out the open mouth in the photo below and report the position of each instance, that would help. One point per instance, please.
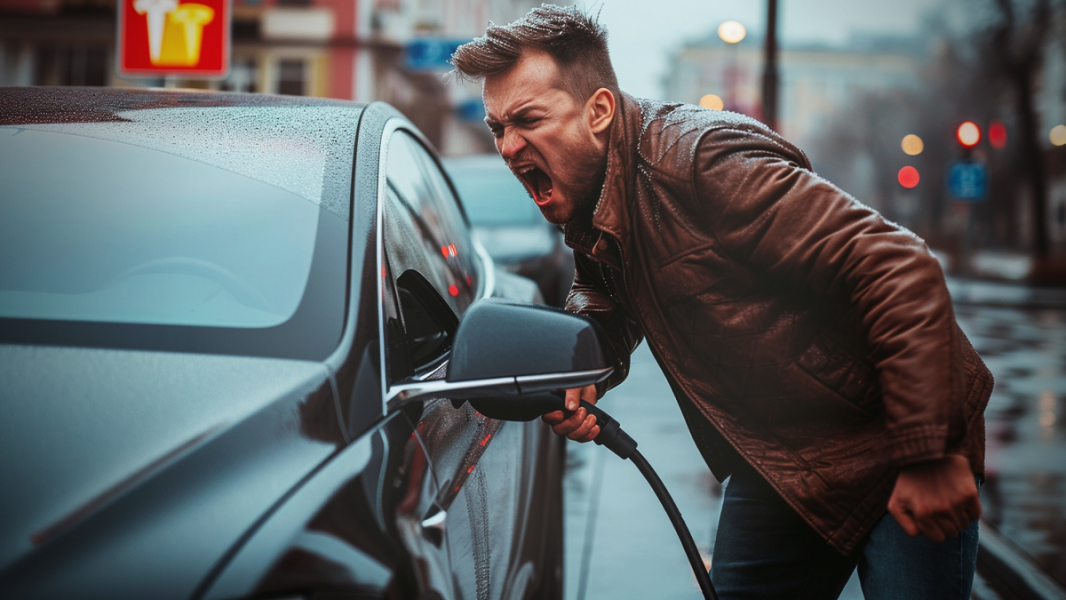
(537, 182)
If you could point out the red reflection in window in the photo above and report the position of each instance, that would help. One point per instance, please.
(453, 290)
(471, 469)
(444, 251)
(452, 251)
(485, 441)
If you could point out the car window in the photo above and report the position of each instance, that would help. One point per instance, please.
(433, 221)
(96, 230)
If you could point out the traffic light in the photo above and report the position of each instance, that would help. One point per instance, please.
(908, 177)
(968, 134)
(997, 134)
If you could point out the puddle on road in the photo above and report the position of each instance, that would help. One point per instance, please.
(1025, 491)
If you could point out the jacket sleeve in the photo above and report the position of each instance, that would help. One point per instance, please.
(768, 211)
(589, 297)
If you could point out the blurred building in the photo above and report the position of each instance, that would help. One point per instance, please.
(815, 81)
(363, 50)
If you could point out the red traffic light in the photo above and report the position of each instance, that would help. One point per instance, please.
(968, 134)
(908, 177)
(997, 134)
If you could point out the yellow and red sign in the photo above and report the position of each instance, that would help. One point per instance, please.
(188, 38)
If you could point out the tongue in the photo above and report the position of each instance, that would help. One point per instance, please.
(544, 187)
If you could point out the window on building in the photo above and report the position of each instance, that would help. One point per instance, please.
(82, 65)
(292, 77)
(74, 64)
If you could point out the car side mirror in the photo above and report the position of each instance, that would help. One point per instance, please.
(504, 348)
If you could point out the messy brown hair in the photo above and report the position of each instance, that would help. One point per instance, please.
(574, 39)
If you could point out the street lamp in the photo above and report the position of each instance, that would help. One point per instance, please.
(912, 145)
(732, 32)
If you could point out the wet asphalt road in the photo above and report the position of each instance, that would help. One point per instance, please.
(1025, 492)
(620, 544)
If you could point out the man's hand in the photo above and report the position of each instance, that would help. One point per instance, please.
(581, 426)
(937, 499)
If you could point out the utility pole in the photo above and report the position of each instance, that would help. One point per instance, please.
(769, 76)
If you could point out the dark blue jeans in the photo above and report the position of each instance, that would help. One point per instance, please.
(765, 550)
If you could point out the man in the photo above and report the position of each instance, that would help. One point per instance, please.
(810, 343)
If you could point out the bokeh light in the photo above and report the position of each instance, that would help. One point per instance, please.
(997, 134)
(1057, 135)
(732, 32)
(712, 101)
(912, 145)
(968, 134)
(908, 177)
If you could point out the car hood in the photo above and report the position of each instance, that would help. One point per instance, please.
(80, 426)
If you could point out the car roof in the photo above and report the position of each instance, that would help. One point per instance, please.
(26, 105)
(302, 145)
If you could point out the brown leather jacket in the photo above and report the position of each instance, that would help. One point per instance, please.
(793, 322)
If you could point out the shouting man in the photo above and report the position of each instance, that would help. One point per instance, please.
(811, 344)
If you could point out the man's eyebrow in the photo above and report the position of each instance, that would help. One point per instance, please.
(518, 114)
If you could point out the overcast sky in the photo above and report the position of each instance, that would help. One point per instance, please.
(643, 33)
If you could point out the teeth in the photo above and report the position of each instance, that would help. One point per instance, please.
(524, 170)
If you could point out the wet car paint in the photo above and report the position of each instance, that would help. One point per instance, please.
(312, 491)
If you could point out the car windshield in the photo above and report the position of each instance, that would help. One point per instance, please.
(97, 229)
(493, 196)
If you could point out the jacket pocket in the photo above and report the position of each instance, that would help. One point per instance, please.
(842, 373)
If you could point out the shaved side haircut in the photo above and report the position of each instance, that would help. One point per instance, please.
(575, 40)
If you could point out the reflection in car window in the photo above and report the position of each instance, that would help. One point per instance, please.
(425, 215)
(97, 230)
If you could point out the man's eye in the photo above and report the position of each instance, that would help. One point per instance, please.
(497, 132)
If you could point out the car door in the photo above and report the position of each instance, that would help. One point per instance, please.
(486, 471)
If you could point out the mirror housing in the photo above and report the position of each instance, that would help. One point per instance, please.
(508, 348)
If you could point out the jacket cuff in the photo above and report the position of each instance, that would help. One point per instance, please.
(917, 445)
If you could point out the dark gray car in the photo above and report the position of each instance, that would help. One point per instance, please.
(207, 305)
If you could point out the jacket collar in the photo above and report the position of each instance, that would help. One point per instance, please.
(610, 215)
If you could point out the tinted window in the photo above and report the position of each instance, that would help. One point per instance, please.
(174, 222)
(97, 230)
(426, 216)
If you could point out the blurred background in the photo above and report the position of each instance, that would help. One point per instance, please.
(847, 81)
(948, 116)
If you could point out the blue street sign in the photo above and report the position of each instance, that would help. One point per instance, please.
(968, 181)
(470, 110)
(430, 54)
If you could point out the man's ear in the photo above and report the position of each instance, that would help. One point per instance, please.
(600, 110)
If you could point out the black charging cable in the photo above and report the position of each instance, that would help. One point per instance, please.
(616, 440)
(611, 436)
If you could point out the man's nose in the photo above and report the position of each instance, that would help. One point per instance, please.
(510, 144)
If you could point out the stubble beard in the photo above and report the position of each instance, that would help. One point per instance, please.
(586, 174)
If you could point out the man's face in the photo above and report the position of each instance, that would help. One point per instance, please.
(544, 135)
